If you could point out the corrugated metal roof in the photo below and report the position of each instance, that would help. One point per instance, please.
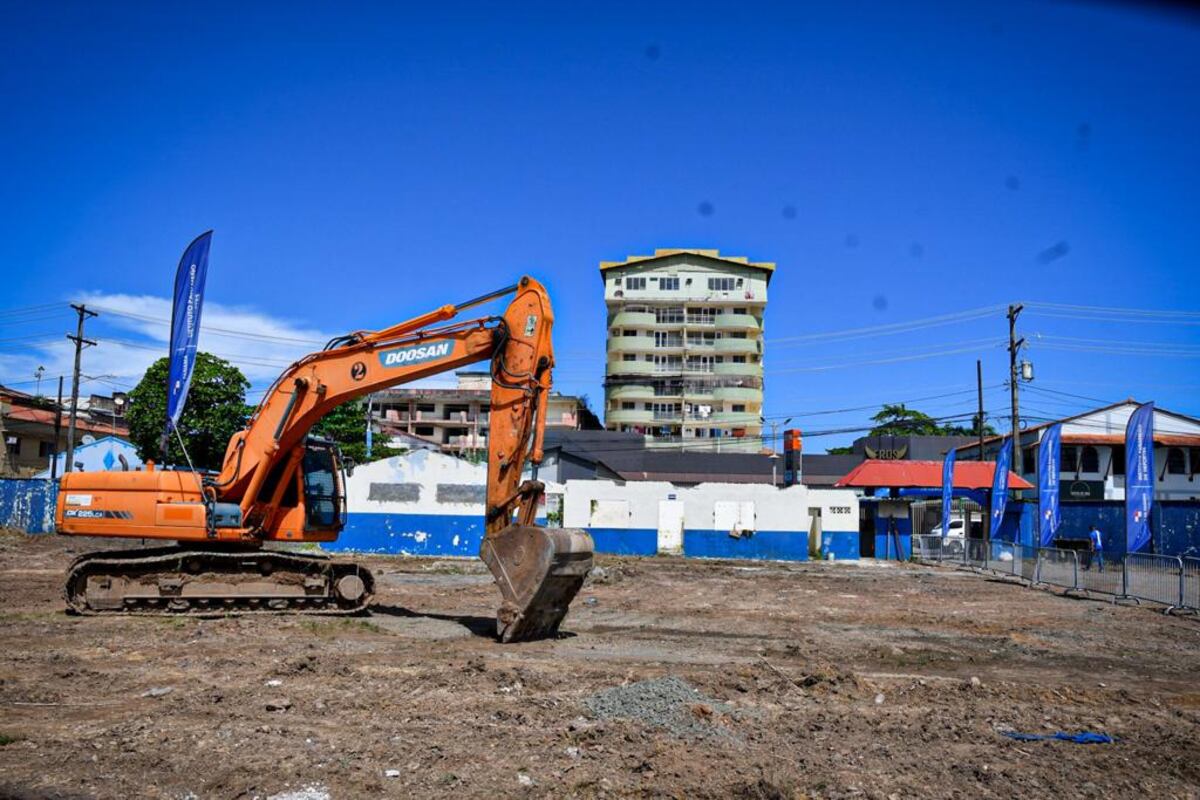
(926, 475)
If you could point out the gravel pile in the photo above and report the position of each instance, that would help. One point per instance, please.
(668, 702)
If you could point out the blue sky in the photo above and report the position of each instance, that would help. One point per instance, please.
(363, 166)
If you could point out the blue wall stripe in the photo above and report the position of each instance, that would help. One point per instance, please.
(773, 545)
(839, 544)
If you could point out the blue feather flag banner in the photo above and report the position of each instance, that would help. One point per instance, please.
(947, 489)
(185, 326)
(1049, 464)
(1139, 476)
(1000, 484)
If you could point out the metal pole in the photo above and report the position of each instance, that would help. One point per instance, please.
(987, 512)
(1014, 347)
(57, 433)
(79, 341)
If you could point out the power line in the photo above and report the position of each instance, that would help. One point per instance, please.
(1142, 312)
(827, 412)
(894, 327)
(252, 336)
(973, 348)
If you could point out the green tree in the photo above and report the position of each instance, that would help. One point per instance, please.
(963, 430)
(839, 451)
(896, 419)
(215, 410)
(347, 425)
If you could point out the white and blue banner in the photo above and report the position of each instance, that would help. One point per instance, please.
(1139, 476)
(1000, 484)
(1049, 464)
(947, 489)
(185, 325)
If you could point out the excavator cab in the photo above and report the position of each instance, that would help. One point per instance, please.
(324, 485)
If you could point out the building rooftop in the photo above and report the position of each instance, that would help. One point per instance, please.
(667, 252)
(926, 475)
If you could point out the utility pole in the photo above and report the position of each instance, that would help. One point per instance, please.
(80, 342)
(979, 391)
(3, 441)
(57, 433)
(1014, 347)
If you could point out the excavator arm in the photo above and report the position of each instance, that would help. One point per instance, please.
(266, 470)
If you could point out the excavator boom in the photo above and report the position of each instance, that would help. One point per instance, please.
(280, 484)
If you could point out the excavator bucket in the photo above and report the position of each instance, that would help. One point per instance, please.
(539, 571)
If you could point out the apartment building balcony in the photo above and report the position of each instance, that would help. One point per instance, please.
(639, 367)
(466, 442)
(736, 322)
(437, 417)
(632, 392)
(634, 319)
(737, 394)
(738, 346)
(742, 370)
(631, 344)
(629, 417)
(738, 418)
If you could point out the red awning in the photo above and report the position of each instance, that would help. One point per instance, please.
(926, 475)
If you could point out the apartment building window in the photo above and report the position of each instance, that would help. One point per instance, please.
(629, 357)
(721, 284)
(628, 406)
(739, 408)
(668, 363)
(663, 410)
(667, 339)
(739, 359)
(629, 333)
(699, 364)
(669, 284)
(670, 315)
(635, 283)
(701, 316)
(700, 339)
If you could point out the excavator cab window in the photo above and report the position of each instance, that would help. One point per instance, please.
(324, 495)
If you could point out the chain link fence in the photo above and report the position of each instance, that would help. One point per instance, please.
(1171, 581)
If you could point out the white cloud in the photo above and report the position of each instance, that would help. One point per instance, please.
(132, 333)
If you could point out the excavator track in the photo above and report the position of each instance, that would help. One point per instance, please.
(184, 580)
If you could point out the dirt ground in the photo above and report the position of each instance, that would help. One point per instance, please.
(674, 678)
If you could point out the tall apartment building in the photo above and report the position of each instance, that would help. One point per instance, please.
(685, 347)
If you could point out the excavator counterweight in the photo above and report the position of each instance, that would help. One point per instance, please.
(279, 484)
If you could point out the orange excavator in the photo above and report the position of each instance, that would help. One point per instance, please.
(279, 484)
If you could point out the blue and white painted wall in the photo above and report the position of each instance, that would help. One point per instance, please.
(837, 511)
(427, 503)
(714, 520)
(421, 504)
(623, 518)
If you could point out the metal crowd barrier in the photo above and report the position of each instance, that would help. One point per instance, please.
(1169, 580)
(1158, 579)
(1057, 568)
